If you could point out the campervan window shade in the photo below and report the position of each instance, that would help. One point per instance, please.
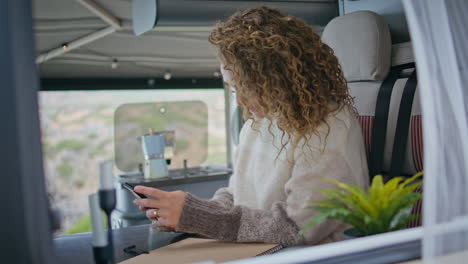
(439, 36)
(188, 120)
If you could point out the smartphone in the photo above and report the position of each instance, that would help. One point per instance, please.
(130, 187)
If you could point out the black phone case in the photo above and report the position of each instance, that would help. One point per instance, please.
(130, 187)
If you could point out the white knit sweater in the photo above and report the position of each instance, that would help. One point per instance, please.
(267, 194)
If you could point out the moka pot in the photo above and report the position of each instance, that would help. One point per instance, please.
(153, 150)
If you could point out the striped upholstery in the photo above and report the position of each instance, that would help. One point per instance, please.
(417, 147)
(367, 124)
(417, 210)
(415, 153)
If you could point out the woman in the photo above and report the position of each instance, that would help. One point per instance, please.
(301, 127)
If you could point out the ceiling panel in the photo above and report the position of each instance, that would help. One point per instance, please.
(48, 40)
(165, 45)
(59, 9)
(120, 8)
(185, 52)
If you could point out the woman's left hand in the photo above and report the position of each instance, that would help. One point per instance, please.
(166, 210)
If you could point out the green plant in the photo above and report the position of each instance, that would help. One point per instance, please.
(65, 170)
(92, 136)
(383, 208)
(83, 225)
(70, 144)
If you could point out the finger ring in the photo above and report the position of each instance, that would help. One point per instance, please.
(155, 213)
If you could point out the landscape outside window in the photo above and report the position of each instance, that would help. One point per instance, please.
(77, 134)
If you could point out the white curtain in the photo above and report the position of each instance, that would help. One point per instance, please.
(439, 33)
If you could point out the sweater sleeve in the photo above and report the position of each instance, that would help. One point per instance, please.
(281, 223)
(224, 197)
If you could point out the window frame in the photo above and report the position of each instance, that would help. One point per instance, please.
(115, 84)
(100, 84)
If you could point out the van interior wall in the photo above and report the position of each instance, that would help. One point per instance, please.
(25, 223)
(391, 10)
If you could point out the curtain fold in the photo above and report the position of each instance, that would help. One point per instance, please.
(439, 32)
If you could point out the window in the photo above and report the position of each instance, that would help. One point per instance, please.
(77, 134)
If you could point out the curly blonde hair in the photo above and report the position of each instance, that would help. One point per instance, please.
(280, 66)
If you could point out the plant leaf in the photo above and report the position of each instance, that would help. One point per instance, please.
(410, 180)
(375, 189)
(320, 217)
(401, 215)
(384, 207)
(358, 195)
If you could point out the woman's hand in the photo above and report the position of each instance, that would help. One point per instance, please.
(164, 212)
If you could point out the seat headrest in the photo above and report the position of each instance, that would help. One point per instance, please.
(361, 41)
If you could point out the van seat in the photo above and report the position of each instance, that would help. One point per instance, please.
(361, 41)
